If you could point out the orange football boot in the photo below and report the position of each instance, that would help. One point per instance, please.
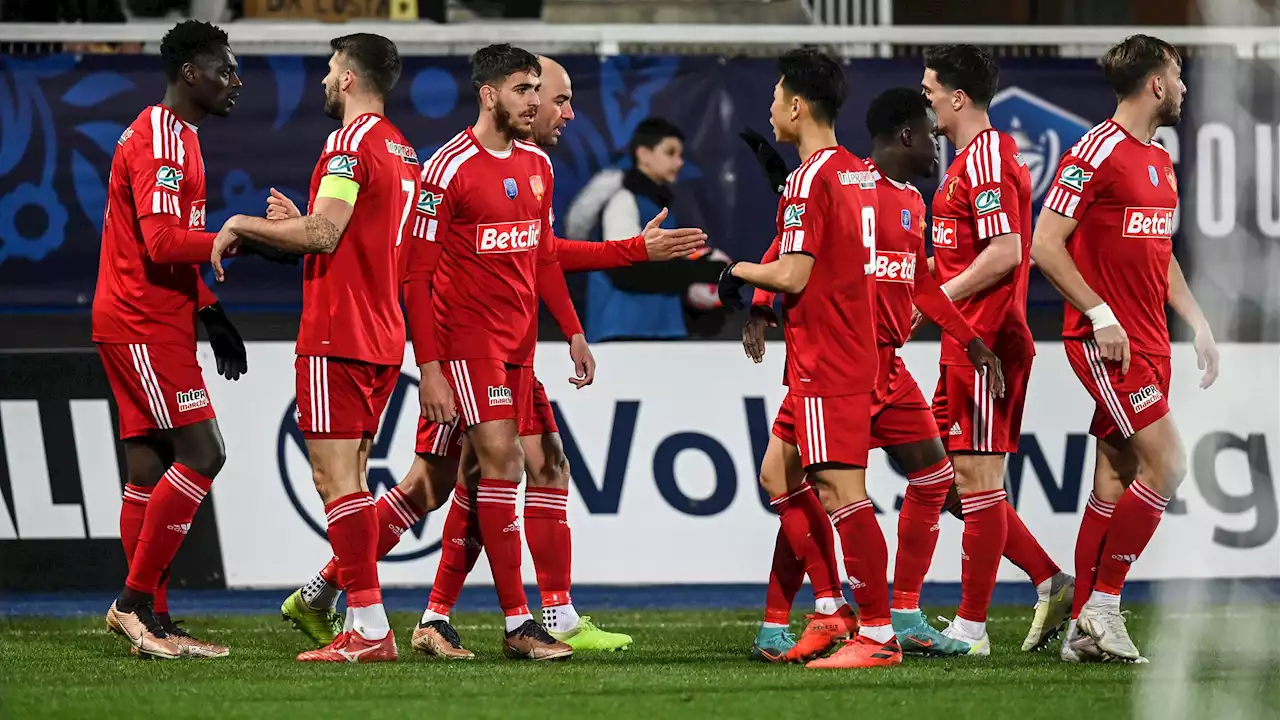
(822, 632)
(862, 652)
(352, 647)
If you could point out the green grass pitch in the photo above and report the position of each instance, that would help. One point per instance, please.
(685, 664)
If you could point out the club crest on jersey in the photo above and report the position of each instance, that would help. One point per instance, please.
(951, 188)
(1172, 178)
(1042, 131)
(428, 202)
(1153, 175)
(342, 166)
(906, 220)
(168, 178)
(988, 201)
(793, 216)
(1073, 177)
(509, 186)
(535, 185)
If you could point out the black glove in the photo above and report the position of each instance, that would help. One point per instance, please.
(775, 168)
(729, 289)
(268, 253)
(228, 348)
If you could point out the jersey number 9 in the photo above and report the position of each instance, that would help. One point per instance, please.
(869, 238)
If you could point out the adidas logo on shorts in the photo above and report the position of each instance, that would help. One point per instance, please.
(955, 429)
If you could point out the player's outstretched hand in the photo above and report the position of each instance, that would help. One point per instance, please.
(228, 347)
(669, 244)
(753, 332)
(730, 289)
(775, 168)
(987, 362)
(1113, 342)
(224, 245)
(584, 363)
(917, 318)
(1206, 357)
(436, 396)
(280, 207)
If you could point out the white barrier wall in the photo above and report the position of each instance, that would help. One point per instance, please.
(665, 448)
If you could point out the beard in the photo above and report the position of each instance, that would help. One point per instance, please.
(333, 103)
(502, 121)
(1169, 112)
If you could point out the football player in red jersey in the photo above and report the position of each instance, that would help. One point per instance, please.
(352, 335)
(981, 242)
(148, 297)
(1105, 241)
(434, 472)
(903, 147)
(826, 227)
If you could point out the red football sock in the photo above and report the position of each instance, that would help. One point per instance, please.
(172, 505)
(546, 530)
(459, 550)
(1093, 534)
(1134, 521)
(785, 578)
(918, 531)
(986, 527)
(353, 535)
(397, 512)
(823, 535)
(866, 559)
(330, 572)
(1022, 549)
(133, 509)
(496, 511)
(803, 536)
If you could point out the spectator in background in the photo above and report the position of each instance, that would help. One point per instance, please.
(648, 301)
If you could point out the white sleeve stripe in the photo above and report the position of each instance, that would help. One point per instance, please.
(1004, 224)
(538, 151)
(1104, 151)
(176, 127)
(1084, 144)
(812, 171)
(1071, 206)
(455, 165)
(157, 150)
(1089, 149)
(364, 130)
(993, 145)
(155, 201)
(442, 157)
(971, 168)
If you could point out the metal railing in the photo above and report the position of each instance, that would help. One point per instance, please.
(850, 12)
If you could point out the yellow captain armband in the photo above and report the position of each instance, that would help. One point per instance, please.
(339, 188)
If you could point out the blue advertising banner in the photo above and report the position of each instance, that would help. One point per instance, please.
(60, 117)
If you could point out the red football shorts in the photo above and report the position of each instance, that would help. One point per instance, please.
(899, 413)
(970, 419)
(341, 399)
(486, 390)
(442, 439)
(156, 387)
(533, 417)
(826, 430)
(1126, 404)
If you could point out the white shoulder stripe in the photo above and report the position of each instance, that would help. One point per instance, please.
(533, 148)
(440, 159)
(363, 130)
(454, 165)
(332, 142)
(815, 164)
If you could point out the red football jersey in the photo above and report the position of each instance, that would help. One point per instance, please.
(899, 251)
(489, 212)
(828, 211)
(351, 297)
(1124, 193)
(156, 170)
(985, 193)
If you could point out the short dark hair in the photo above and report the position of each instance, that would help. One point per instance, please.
(493, 64)
(895, 109)
(652, 131)
(372, 57)
(816, 77)
(1130, 62)
(965, 67)
(188, 40)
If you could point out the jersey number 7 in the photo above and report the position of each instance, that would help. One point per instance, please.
(869, 238)
(409, 201)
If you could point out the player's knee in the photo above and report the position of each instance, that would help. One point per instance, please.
(552, 472)
(773, 486)
(1174, 472)
(205, 458)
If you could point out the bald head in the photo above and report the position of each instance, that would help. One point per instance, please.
(555, 109)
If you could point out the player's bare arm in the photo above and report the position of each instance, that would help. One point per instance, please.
(789, 274)
(317, 233)
(1001, 256)
(1049, 250)
(1184, 303)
